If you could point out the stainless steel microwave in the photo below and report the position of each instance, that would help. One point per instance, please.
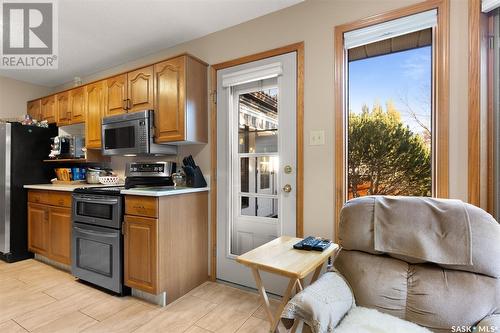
(132, 134)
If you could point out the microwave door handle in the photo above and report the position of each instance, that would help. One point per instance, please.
(93, 233)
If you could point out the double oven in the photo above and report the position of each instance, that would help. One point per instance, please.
(97, 242)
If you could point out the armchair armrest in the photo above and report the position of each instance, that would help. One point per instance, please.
(322, 305)
(490, 323)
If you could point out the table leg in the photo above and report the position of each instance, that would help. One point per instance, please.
(263, 294)
(274, 319)
(284, 301)
(296, 324)
(316, 274)
(300, 285)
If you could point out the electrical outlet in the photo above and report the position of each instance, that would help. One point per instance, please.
(316, 137)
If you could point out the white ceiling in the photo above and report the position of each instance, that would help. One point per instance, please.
(98, 34)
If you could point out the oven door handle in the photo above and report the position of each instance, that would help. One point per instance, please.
(93, 233)
(97, 201)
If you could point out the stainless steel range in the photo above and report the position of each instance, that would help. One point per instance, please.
(97, 238)
(97, 241)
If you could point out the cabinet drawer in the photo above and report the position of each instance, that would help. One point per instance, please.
(62, 199)
(141, 206)
(41, 197)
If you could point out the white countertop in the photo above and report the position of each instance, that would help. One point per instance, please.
(64, 187)
(163, 191)
(159, 191)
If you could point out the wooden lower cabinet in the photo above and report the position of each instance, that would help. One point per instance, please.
(49, 225)
(169, 252)
(141, 253)
(38, 228)
(60, 234)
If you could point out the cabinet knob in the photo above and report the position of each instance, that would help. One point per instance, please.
(287, 188)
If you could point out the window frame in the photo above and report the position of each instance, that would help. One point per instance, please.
(440, 98)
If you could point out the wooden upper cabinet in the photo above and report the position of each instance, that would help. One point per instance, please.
(62, 109)
(140, 89)
(48, 106)
(181, 100)
(95, 103)
(116, 95)
(35, 109)
(77, 105)
(170, 100)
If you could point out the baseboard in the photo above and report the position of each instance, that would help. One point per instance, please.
(160, 299)
(51, 262)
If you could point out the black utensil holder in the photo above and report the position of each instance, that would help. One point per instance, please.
(194, 177)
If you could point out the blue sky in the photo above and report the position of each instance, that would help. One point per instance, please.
(402, 77)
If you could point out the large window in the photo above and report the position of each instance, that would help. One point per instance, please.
(389, 120)
(391, 104)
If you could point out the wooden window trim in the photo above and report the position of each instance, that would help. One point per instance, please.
(299, 49)
(480, 24)
(474, 117)
(490, 128)
(440, 97)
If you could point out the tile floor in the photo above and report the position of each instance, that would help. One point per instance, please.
(35, 297)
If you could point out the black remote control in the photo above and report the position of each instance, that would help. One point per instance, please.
(307, 243)
(322, 245)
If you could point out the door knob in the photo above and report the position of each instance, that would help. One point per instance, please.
(287, 188)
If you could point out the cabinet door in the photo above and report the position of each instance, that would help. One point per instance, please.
(141, 253)
(140, 89)
(62, 109)
(116, 91)
(94, 102)
(48, 106)
(170, 100)
(35, 109)
(60, 234)
(77, 105)
(38, 228)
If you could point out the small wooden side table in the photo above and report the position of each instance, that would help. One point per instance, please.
(279, 257)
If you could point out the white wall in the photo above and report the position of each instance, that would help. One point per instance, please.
(14, 94)
(313, 22)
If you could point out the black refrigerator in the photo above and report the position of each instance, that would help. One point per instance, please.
(22, 151)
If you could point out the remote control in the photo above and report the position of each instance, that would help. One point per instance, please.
(307, 243)
(322, 245)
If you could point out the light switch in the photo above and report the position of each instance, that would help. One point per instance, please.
(316, 137)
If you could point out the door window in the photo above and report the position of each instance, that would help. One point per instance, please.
(255, 166)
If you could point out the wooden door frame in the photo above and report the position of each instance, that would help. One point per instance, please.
(441, 96)
(299, 49)
(480, 24)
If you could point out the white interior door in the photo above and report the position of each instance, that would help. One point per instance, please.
(256, 159)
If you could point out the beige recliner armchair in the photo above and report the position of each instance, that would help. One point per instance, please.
(457, 288)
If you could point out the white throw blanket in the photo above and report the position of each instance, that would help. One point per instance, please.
(364, 320)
